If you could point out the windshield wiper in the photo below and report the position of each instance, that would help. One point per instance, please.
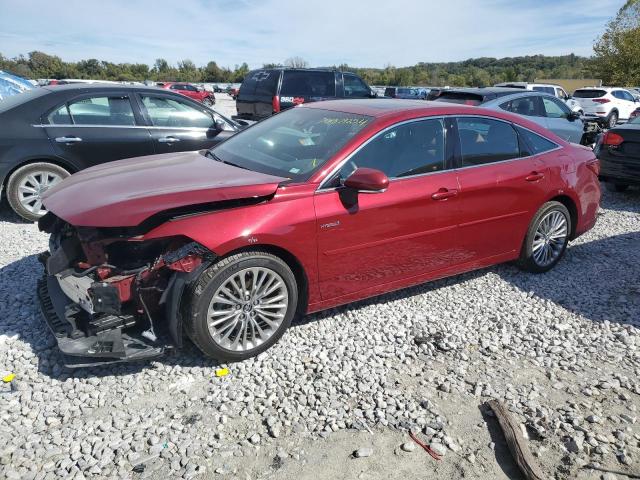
(213, 156)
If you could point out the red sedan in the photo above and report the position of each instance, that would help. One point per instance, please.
(196, 93)
(315, 207)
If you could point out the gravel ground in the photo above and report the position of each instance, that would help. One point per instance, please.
(336, 396)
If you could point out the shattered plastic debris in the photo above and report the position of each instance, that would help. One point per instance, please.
(222, 372)
(8, 378)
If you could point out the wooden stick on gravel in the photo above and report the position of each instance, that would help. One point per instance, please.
(517, 444)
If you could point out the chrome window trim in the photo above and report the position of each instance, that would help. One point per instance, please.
(381, 132)
(187, 129)
(321, 189)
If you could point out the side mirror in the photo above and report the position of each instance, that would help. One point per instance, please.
(573, 116)
(367, 180)
(219, 124)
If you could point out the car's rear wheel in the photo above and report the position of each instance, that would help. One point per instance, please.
(546, 239)
(27, 184)
(241, 306)
(612, 121)
(616, 187)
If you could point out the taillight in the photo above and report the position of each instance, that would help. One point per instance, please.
(276, 104)
(601, 100)
(612, 139)
(594, 166)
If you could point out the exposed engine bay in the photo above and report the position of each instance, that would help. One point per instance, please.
(108, 296)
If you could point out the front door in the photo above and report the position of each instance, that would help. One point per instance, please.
(503, 182)
(367, 240)
(178, 125)
(97, 128)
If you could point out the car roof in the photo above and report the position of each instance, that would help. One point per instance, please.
(97, 86)
(484, 91)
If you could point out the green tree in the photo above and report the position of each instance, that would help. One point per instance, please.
(617, 51)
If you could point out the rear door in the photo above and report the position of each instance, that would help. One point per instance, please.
(177, 124)
(304, 86)
(502, 185)
(99, 127)
(626, 103)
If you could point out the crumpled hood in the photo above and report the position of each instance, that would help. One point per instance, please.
(126, 192)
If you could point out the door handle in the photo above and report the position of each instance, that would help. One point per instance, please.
(68, 139)
(168, 139)
(444, 193)
(534, 177)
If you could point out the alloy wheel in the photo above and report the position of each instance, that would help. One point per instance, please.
(550, 238)
(31, 188)
(247, 308)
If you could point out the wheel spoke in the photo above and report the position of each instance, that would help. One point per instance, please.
(247, 308)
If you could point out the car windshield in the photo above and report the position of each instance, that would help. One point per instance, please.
(292, 144)
(460, 97)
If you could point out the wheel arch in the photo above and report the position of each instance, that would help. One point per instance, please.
(570, 204)
(40, 159)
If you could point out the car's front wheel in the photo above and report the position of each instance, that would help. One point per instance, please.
(546, 239)
(27, 184)
(241, 306)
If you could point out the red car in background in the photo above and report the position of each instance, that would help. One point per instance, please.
(318, 206)
(188, 90)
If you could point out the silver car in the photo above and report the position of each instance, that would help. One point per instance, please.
(545, 110)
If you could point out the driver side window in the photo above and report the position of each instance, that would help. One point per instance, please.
(412, 148)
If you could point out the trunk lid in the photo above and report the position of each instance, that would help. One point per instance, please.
(127, 192)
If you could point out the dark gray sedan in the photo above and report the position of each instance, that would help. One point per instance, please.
(51, 132)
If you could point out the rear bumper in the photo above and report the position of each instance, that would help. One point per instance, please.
(89, 340)
(619, 170)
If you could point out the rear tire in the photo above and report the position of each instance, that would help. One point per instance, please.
(612, 120)
(615, 187)
(546, 239)
(233, 324)
(27, 184)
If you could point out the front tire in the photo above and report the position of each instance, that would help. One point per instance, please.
(546, 239)
(241, 306)
(27, 184)
(616, 187)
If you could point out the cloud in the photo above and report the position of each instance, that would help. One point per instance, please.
(327, 32)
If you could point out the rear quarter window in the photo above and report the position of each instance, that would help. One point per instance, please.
(589, 93)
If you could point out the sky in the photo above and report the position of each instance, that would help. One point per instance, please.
(327, 32)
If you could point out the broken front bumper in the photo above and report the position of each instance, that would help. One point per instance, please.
(86, 339)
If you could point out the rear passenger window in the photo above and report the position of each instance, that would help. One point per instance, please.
(304, 83)
(102, 111)
(523, 106)
(534, 143)
(483, 140)
(410, 149)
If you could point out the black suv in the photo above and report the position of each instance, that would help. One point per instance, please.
(270, 90)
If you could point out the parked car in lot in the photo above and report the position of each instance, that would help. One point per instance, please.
(546, 110)
(50, 132)
(555, 90)
(267, 91)
(408, 93)
(634, 114)
(318, 206)
(192, 91)
(606, 104)
(618, 150)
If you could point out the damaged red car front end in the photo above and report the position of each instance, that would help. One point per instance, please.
(108, 297)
